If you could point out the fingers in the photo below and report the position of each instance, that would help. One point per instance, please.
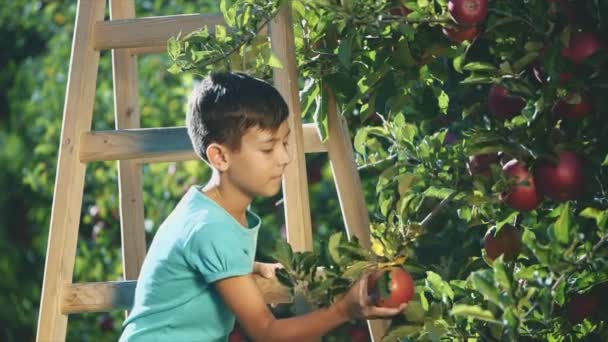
(363, 297)
(379, 312)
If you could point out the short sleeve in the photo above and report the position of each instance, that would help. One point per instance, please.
(216, 254)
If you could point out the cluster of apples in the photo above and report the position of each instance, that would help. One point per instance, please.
(560, 180)
(576, 105)
(467, 15)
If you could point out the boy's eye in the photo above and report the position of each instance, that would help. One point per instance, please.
(267, 151)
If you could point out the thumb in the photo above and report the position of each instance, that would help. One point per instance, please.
(267, 272)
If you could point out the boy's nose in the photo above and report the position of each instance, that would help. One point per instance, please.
(285, 156)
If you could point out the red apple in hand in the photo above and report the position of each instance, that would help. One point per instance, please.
(522, 195)
(504, 105)
(582, 46)
(468, 12)
(574, 106)
(391, 287)
(507, 243)
(460, 34)
(563, 181)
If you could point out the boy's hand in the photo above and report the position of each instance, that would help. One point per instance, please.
(265, 270)
(358, 304)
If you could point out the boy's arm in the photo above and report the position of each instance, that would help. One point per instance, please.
(243, 296)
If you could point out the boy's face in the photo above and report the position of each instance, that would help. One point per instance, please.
(257, 167)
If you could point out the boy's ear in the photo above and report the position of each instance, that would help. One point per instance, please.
(218, 156)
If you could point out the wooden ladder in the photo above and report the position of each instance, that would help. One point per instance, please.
(132, 146)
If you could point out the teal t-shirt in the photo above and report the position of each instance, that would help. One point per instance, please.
(198, 244)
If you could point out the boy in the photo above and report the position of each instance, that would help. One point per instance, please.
(197, 274)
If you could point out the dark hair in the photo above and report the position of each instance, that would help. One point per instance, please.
(224, 105)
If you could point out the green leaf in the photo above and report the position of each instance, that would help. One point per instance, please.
(414, 312)
(440, 193)
(360, 141)
(397, 333)
(473, 311)
(438, 287)
(483, 281)
(274, 62)
(443, 100)
(284, 278)
(501, 277)
(479, 66)
(600, 216)
(345, 51)
(543, 253)
(356, 270)
(403, 54)
(605, 162)
(561, 228)
(477, 79)
(283, 254)
(508, 220)
(405, 182)
(332, 247)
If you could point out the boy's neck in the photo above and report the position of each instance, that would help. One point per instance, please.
(228, 197)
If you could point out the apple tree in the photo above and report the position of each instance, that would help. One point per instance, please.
(483, 124)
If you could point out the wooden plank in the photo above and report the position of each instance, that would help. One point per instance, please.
(344, 169)
(69, 181)
(128, 144)
(118, 295)
(159, 144)
(150, 32)
(295, 182)
(130, 184)
(348, 186)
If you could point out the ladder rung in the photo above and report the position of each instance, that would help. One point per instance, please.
(150, 34)
(149, 31)
(118, 295)
(148, 145)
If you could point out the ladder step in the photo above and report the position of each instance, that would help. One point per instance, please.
(118, 295)
(150, 34)
(156, 145)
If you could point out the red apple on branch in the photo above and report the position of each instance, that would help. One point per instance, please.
(507, 243)
(460, 34)
(522, 195)
(391, 287)
(582, 46)
(582, 306)
(468, 12)
(504, 105)
(562, 181)
(574, 106)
